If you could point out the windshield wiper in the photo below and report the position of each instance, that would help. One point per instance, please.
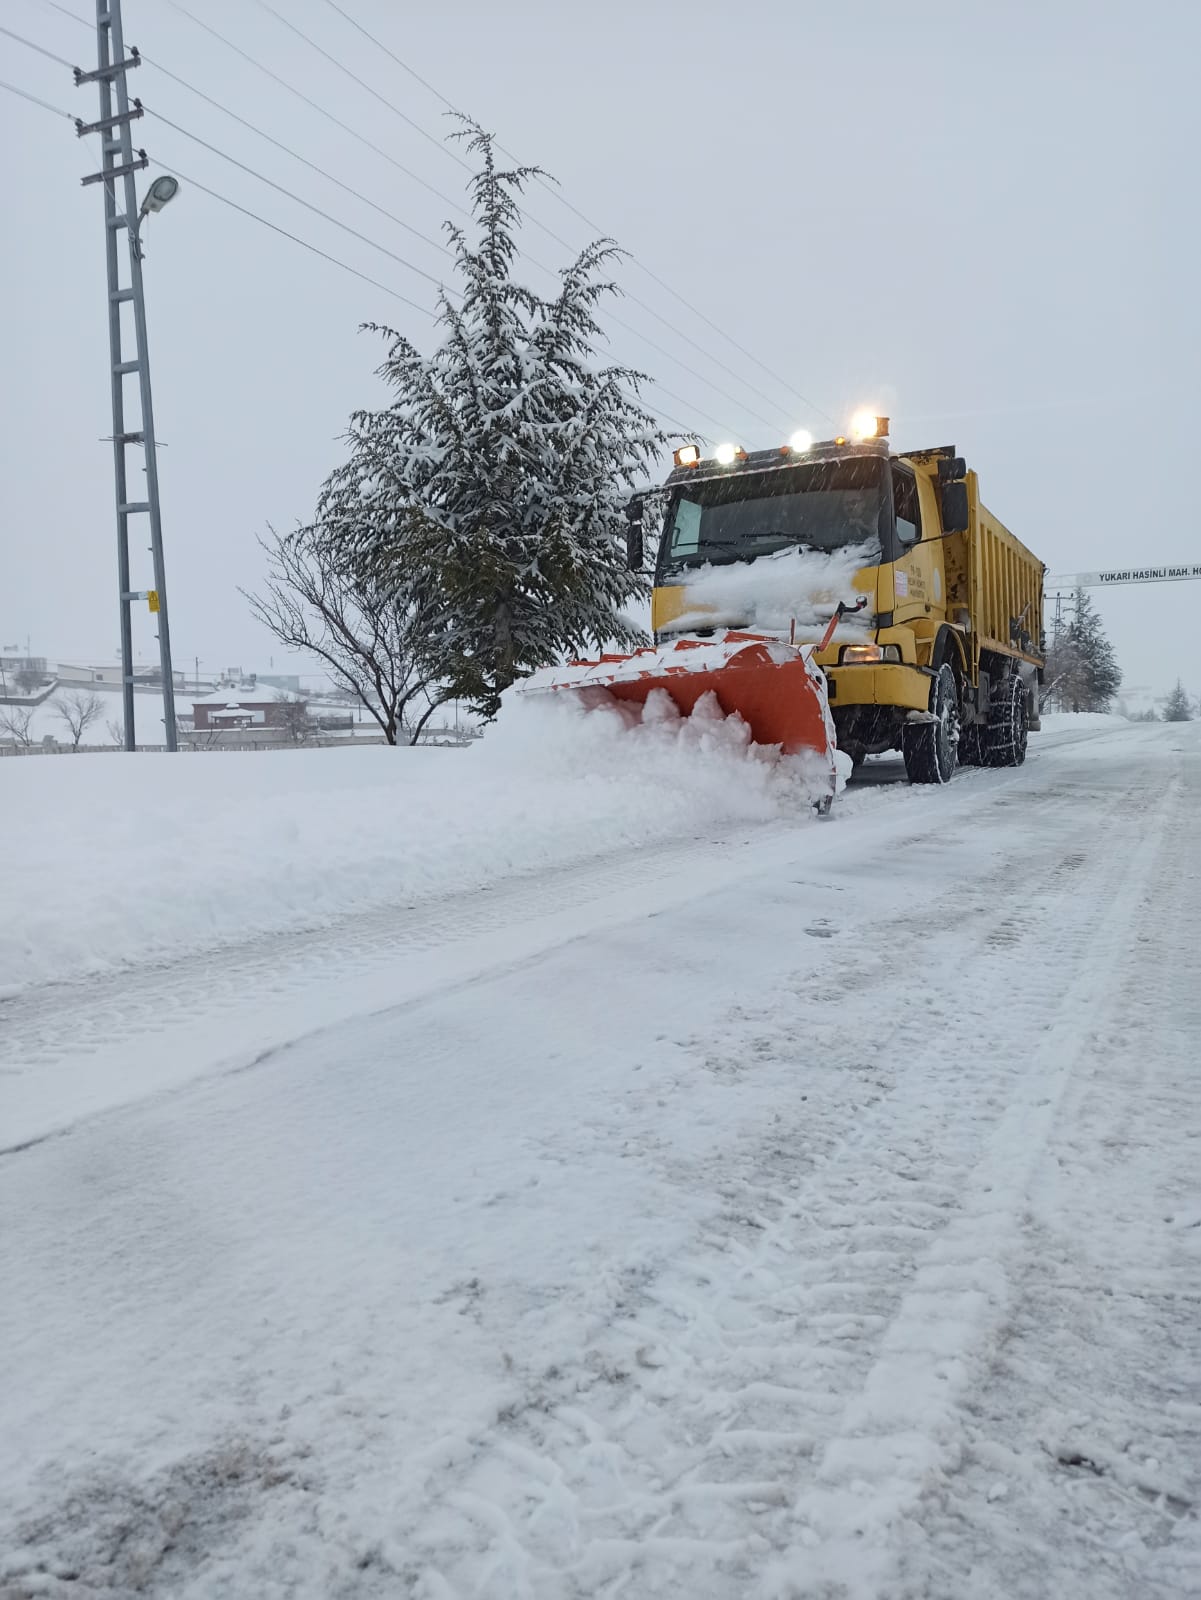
(738, 548)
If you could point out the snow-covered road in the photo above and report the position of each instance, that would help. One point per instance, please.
(780, 1212)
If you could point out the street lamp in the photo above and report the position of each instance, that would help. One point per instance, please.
(160, 193)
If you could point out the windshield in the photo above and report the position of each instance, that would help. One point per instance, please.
(824, 506)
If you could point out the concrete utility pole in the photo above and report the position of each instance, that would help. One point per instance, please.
(119, 165)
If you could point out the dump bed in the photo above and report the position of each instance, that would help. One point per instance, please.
(995, 586)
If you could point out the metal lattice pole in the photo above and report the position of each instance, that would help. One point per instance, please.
(118, 165)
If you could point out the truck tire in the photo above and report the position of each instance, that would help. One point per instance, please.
(931, 749)
(971, 745)
(1008, 724)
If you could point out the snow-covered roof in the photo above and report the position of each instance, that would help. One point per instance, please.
(255, 694)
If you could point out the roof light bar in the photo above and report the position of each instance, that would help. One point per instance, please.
(866, 425)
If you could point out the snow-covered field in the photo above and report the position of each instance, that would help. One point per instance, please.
(151, 858)
(659, 1195)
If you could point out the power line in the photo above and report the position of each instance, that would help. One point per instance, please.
(307, 204)
(313, 249)
(437, 244)
(687, 427)
(383, 249)
(550, 271)
(314, 105)
(262, 133)
(41, 50)
(246, 212)
(334, 260)
(691, 371)
(296, 239)
(438, 144)
(366, 278)
(33, 100)
(404, 65)
(709, 322)
(67, 12)
(679, 333)
(596, 228)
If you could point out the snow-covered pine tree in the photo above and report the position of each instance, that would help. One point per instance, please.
(1178, 707)
(498, 474)
(1096, 676)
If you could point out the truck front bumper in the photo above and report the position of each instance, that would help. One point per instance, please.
(880, 684)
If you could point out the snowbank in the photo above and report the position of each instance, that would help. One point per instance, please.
(1080, 721)
(114, 859)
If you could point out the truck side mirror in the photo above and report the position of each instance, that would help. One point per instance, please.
(952, 498)
(634, 550)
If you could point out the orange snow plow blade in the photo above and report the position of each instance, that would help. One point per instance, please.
(772, 686)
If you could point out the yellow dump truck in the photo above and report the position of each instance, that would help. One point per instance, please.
(944, 659)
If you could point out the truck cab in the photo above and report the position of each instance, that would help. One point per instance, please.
(942, 659)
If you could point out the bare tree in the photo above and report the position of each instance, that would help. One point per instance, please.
(79, 711)
(314, 600)
(294, 718)
(115, 731)
(15, 723)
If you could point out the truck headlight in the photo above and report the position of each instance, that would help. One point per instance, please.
(858, 654)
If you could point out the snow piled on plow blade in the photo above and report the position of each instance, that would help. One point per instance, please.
(708, 761)
(756, 698)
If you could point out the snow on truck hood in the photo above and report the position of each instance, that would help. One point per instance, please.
(775, 591)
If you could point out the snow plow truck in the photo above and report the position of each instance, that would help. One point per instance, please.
(920, 632)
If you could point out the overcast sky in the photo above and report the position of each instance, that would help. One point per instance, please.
(980, 217)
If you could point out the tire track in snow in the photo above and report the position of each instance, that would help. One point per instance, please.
(902, 1426)
(1089, 1419)
(763, 1416)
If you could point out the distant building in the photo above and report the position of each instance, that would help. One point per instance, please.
(22, 674)
(18, 663)
(236, 678)
(110, 677)
(79, 677)
(248, 706)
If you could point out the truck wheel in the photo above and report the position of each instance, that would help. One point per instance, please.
(971, 746)
(1008, 724)
(931, 748)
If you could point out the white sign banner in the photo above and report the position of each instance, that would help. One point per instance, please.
(1116, 575)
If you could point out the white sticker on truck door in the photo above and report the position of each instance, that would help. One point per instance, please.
(901, 583)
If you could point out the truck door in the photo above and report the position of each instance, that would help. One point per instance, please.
(917, 578)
